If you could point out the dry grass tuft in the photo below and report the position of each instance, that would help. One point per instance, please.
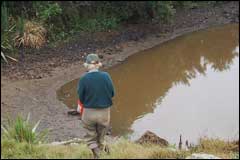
(34, 35)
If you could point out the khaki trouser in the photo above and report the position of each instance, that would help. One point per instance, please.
(96, 123)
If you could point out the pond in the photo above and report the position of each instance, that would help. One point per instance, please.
(187, 86)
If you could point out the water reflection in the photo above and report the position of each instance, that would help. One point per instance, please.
(145, 82)
(208, 107)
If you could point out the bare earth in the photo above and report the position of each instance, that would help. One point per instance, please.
(31, 87)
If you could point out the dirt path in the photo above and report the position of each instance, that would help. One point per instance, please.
(37, 95)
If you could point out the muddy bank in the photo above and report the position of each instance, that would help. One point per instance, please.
(31, 87)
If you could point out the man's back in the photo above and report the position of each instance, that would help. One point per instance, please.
(95, 90)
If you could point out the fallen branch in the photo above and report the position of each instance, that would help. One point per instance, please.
(12, 58)
(67, 142)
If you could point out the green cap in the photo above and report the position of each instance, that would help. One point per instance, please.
(92, 58)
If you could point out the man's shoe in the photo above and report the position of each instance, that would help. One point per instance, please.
(96, 152)
(105, 148)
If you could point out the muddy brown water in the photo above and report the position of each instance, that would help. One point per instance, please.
(188, 86)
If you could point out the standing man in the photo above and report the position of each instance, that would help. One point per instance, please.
(95, 91)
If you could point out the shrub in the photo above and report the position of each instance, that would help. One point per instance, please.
(6, 31)
(164, 10)
(46, 10)
(100, 23)
(21, 130)
(186, 4)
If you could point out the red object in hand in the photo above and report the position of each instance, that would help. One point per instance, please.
(80, 107)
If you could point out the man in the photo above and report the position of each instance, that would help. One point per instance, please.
(95, 91)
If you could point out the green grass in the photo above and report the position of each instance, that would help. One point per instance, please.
(122, 148)
(219, 147)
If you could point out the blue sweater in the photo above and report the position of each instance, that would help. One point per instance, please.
(95, 90)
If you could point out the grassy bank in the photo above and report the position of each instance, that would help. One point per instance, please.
(20, 139)
(120, 149)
